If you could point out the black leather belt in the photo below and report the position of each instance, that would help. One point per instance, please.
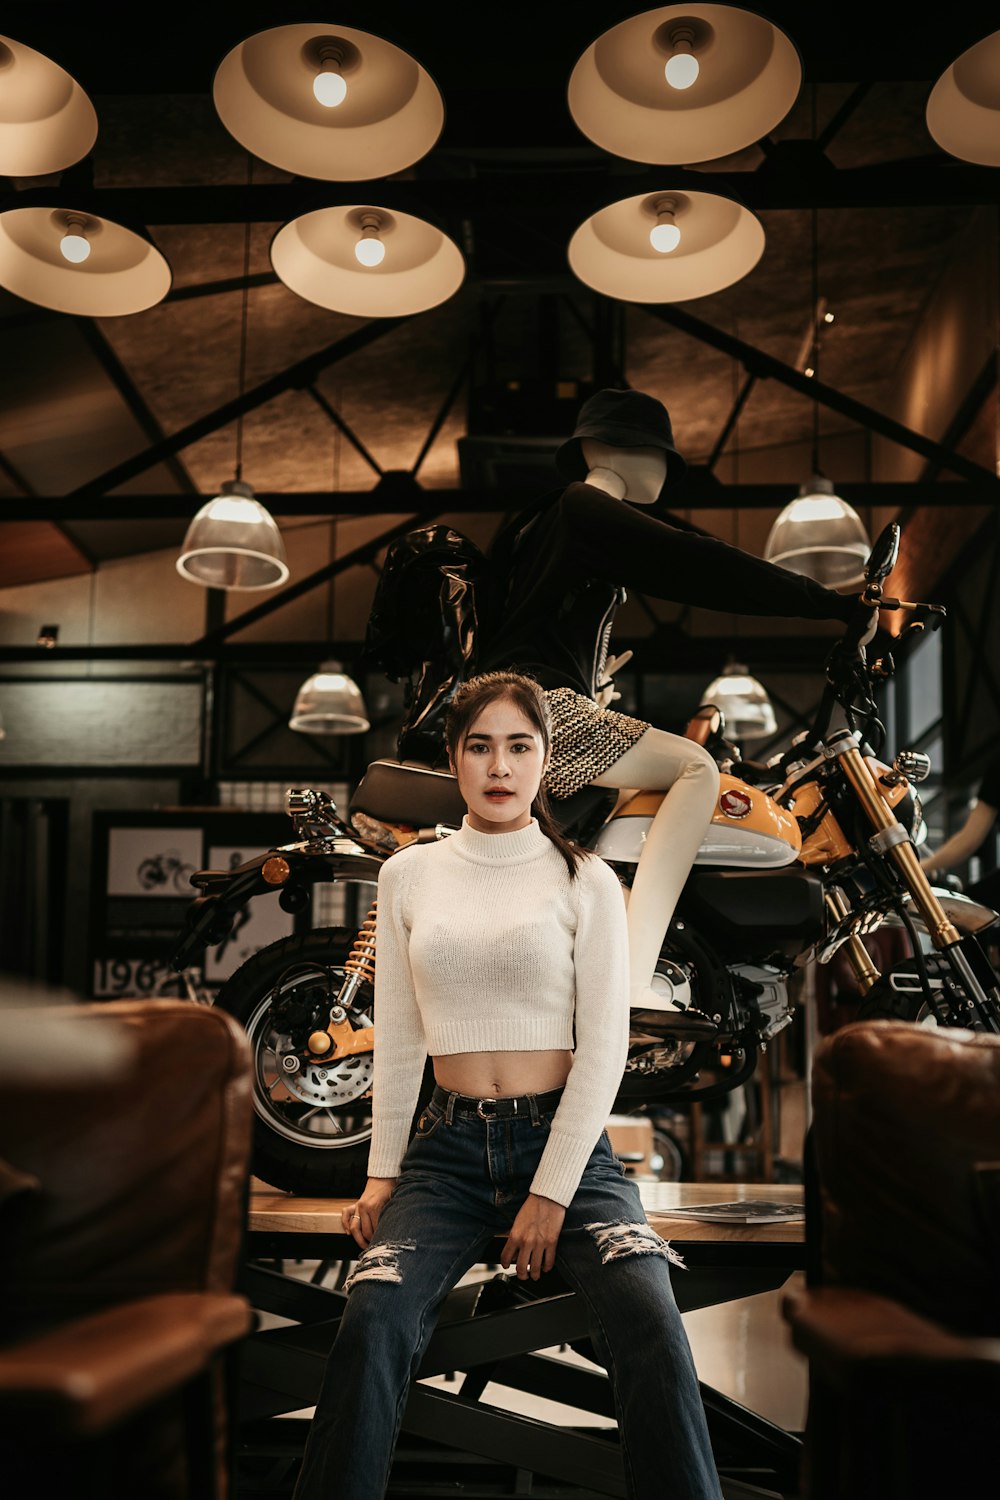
(490, 1108)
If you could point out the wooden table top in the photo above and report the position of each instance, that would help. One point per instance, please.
(275, 1212)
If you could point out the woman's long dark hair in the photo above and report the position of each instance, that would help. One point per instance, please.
(526, 694)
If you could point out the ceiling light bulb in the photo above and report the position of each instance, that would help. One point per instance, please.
(369, 249)
(682, 67)
(664, 235)
(75, 246)
(330, 87)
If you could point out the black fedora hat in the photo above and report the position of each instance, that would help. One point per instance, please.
(626, 419)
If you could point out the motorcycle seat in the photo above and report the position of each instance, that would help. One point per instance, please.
(414, 793)
(408, 792)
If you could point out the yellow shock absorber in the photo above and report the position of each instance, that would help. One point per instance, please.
(361, 959)
(360, 966)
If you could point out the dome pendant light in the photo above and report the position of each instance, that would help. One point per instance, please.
(666, 247)
(963, 110)
(684, 83)
(233, 542)
(329, 702)
(743, 700)
(80, 263)
(46, 120)
(371, 262)
(820, 536)
(343, 107)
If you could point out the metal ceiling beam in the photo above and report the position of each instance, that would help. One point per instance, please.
(301, 374)
(701, 492)
(794, 174)
(130, 394)
(841, 116)
(766, 367)
(670, 651)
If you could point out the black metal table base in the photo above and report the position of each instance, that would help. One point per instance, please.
(453, 1442)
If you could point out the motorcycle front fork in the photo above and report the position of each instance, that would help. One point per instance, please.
(892, 840)
(858, 956)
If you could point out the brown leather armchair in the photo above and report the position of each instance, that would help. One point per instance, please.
(901, 1320)
(125, 1140)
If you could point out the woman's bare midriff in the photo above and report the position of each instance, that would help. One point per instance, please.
(486, 1075)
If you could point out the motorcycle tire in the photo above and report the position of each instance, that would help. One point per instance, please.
(311, 1129)
(898, 995)
(883, 1003)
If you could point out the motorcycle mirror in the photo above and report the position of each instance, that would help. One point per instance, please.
(882, 558)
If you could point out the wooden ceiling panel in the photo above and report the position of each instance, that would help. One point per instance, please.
(33, 551)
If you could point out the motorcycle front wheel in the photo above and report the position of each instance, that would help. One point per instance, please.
(312, 1125)
(883, 1003)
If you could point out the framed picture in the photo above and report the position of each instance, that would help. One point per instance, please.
(142, 868)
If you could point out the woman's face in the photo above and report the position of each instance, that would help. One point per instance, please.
(499, 767)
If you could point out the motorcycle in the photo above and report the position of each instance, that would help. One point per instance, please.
(803, 857)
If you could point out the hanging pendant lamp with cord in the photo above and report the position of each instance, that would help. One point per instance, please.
(330, 701)
(819, 535)
(743, 701)
(234, 542)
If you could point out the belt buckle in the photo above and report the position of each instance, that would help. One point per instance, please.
(495, 1114)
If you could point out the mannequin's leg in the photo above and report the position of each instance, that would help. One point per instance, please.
(663, 762)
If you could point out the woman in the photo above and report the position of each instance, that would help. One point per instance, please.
(502, 951)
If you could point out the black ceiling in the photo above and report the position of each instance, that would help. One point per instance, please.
(82, 405)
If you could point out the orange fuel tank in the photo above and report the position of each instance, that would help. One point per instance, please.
(748, 829)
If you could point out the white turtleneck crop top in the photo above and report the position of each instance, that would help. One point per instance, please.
(484, 943)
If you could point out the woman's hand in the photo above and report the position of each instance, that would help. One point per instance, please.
(533, 1237)
(360, 1220)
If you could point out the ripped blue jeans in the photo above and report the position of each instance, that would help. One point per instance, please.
(462, 1181)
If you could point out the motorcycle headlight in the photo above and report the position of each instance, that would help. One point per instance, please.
(918, 833)
(910, 813)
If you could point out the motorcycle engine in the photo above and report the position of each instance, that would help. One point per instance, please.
(676, 982)
(767, 990)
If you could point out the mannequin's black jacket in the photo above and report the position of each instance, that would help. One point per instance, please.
(568, 565)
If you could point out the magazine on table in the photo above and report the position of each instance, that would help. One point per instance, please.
(749, 1211)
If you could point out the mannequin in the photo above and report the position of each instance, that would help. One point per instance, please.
(657, 762)
(568, 562)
